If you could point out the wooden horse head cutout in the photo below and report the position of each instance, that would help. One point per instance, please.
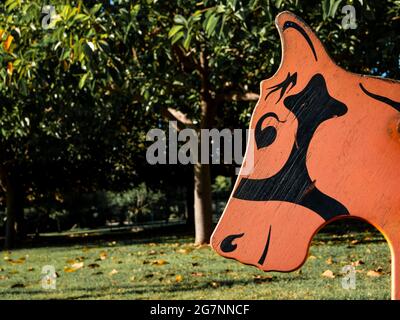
(326, 145)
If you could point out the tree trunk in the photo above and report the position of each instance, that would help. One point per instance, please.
(202, 176)
(190, 203)
(14, 207)
(202, 203)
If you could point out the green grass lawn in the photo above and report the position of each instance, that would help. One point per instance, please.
(173, 268)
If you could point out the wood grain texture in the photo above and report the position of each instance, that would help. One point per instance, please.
(326, 146)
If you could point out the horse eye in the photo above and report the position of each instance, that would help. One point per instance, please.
(265, 136)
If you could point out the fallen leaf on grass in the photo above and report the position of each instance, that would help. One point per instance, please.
(261, 279)
(373, 273)
(328, 274)
(103, 255)
(184, 250)
(202, 246)
(312, 257)
(74, 267)
(159, 262)
(151, 252)
(355, 241)
(113, 272)
(197, 274)
(215, 284)
(329, 260)
(3, 277)
(298, 271)
(178, 278)
(77, 265)
(357, 263)
(16, 261)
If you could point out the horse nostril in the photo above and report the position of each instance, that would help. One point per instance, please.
(227, 245)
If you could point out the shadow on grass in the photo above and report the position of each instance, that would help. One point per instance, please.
(140, 289)
(339, 231)
(159, 235)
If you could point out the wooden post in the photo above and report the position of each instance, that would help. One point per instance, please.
(396, 273)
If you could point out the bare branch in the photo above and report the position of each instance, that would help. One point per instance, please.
(180, 116)
(236, 96)
(176, 115)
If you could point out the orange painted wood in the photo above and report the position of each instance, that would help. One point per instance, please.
(326, 146)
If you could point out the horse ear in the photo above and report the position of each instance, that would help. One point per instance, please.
(300, 45)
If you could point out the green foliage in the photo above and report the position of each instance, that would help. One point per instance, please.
(329, 8)
(140, 203)
(97, 209)
(68, 100)
(222, 184)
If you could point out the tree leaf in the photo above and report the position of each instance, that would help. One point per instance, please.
(211, 24)
(186, 43)
(177, 37)
(174, 30)
(83, 80)
(178, 19)
(95, 8)
(334, 8)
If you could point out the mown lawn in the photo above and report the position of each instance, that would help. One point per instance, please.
(173, 268)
